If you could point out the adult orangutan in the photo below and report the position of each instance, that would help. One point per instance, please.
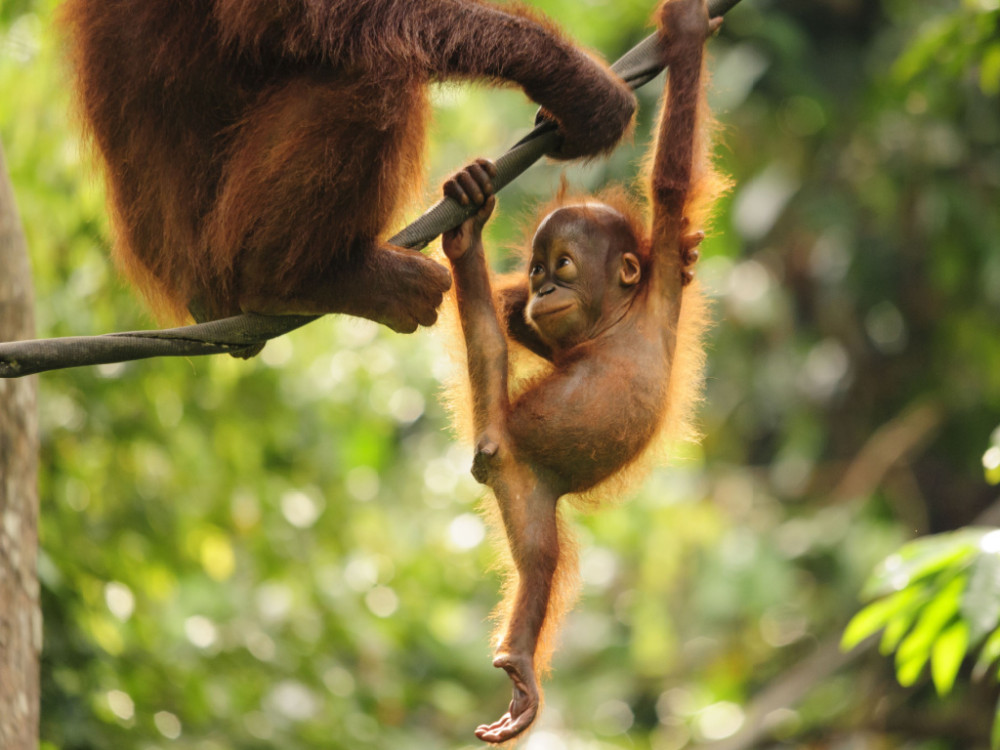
(607, 301)
(256, 151)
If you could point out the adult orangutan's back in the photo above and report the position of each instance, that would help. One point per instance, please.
(257, 151)
(155, 99)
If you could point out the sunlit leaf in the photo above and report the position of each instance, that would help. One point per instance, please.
(877, 615)
(981, 601)
(939, 612)
(894, 632)
(989, 653)
(920, 559)
(947, 655)
(908, 671)
(989, 71)
(924, 50)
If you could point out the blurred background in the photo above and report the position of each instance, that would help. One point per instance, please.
(285, 552)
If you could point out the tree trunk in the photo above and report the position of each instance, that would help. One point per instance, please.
(20, 613)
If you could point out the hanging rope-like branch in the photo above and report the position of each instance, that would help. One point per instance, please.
(245, 333)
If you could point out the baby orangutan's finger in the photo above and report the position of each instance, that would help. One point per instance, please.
(455, 191)
(693, 240)
(686, 277)
(471, 185)
(482, 171)
(487, 210)
(689, 245)
(489, 167)
(481, 178)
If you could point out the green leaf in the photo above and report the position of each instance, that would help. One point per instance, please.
(921, 559)
(981, 601)
(922, 53)
(895, 631)
(989, 654)
(989, 71)
(947, 655)
(939, 612)
(877, 615)
(908, 670)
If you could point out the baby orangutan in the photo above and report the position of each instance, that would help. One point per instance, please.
(602, 303)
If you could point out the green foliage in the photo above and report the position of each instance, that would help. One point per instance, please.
(955, 43)
(939, 599)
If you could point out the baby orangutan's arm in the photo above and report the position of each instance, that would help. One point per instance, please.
(684, 27)
(485, 343)
(527, 502)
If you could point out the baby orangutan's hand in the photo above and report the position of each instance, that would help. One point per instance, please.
(689, 251)
(470, 187)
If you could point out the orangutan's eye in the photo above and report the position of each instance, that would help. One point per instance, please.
(566, 270)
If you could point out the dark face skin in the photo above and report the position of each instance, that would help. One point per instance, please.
(582, 276)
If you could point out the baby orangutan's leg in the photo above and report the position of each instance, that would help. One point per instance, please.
(526, 498)
(530, 520)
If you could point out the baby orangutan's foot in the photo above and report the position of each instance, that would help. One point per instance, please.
(524, 704)
(486, 449)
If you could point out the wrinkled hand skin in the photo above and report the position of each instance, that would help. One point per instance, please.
(523, 705)
(470, 187)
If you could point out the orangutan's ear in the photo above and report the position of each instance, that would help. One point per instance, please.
(630, 271)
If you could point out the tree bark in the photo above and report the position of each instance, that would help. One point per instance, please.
(20, 612)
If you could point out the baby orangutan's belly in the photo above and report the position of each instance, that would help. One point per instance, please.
(592, 438)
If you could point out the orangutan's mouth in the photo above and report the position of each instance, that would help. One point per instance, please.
(553, 310)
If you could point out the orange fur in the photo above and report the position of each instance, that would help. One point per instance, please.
(677, 425)
(675, 421)
(256, 152)
(565, 585)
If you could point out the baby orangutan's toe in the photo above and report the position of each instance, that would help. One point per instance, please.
(523, 706)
